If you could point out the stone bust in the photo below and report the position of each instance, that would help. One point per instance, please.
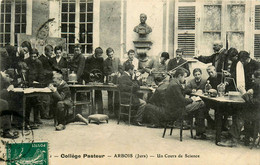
(143, 29)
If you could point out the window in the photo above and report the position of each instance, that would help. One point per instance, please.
(13, 21)
(77, 24)
(198, 24)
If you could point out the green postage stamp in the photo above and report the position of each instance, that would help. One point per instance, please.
(27, 153)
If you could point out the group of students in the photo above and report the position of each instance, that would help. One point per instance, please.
(168, 101)
(171, 101)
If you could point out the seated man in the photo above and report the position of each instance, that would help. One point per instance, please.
(198, 83)
(214, 78)
(155, 109)
(157, 68)
(62, 100)
(4, 105)
(246, 115)
(178, 61)
(126, 83)
(177, 105)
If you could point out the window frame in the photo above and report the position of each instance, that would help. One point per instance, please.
(28, 24)
(95, 25)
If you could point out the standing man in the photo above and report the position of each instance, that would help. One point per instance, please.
(126, 83)
(250, 66)
(47, 63)
(113, 69)
(77, 63)
(59, 62)
(47, 72)
(218, 59)
(177, 105)
(131, 60)
(94, 71)
(35, 74)
(178, 61)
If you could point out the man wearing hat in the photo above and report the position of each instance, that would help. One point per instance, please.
(178, 61)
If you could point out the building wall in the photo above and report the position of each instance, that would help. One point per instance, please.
(110, 25)
(40, 14)
(154, 11)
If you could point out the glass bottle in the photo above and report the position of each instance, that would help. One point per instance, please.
(221, 89)
(207, 87)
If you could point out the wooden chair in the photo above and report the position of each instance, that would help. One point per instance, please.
(256, 124)
(127, 106)
(170, 124)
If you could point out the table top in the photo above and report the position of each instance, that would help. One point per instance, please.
(101, 85)
(222, 99)
(32, 90)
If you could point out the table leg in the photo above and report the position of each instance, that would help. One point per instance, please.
(113, 102)
(94, 102)
(218, 122)
(24, 109)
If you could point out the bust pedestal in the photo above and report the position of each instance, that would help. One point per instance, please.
(142, 46)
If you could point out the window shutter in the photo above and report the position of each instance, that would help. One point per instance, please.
(257, 46)
(186, 15)
(187, 42)
(257, 32)
(186, 30)
(257, 17)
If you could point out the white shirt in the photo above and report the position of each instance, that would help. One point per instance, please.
(135, 63)
(58, 59)
(240, 75)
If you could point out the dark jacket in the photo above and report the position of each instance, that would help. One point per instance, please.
(233, 72)
(59, 65)
(63, 94)
(35, 71)
(219, 60)
(125, 85)
(4, 83)
(158, 98)
(192, 84)
(112, 66)
(253, 102)
(77, 65)
(46, 63)
(175, 99)
(91, 64)
(47, 66)
(215, 81)
(173, 64)
(249, 70)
